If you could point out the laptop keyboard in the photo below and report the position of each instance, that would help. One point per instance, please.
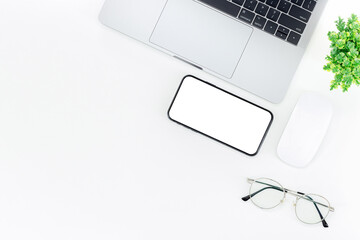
(285, 19)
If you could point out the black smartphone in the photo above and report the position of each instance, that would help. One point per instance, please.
(220, 115)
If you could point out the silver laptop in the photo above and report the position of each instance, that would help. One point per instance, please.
(253, 44)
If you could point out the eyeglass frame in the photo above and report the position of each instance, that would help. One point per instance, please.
(298, 195)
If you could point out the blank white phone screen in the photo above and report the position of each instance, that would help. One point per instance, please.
(220, 115)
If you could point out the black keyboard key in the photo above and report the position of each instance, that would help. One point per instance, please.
(250, 4)
(284, 30)
(224, 6)
(294, 38)
(284, 6)
(280, 35)
(261, 0)
(239, 2)
(273, 14)
(270, 27)
(299, 13)
(309, 5)
(292, 23)
(272, 3)
(259, 22)
(261, 9)
(297, 2)
(246, 16)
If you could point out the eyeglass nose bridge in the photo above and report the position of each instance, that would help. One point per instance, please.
(294, 193)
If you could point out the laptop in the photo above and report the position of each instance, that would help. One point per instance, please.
(256, 45)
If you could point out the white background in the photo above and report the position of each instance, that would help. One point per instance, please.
(87, 150)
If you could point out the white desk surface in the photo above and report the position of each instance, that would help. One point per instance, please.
(87, 150)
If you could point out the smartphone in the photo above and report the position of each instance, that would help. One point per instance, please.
(220, 115)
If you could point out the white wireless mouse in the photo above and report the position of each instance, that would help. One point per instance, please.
(305, 130)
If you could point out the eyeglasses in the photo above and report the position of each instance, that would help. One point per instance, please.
(309, 208)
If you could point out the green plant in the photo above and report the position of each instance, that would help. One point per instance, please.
(344, 58)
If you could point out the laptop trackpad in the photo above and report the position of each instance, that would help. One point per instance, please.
(202, 36)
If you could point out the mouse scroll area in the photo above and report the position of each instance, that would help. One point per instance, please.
(305, 130)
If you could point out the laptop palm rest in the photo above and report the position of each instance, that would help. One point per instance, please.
(202, 36)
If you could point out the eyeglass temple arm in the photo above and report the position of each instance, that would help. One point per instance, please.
(259, 191)
(324, 223)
